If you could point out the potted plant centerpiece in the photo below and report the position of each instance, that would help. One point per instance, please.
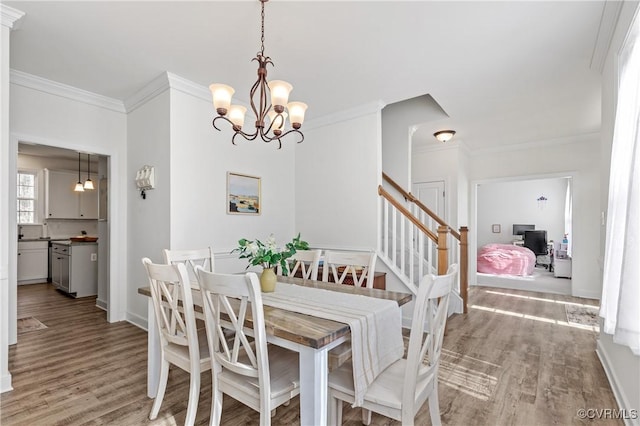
(268, 255)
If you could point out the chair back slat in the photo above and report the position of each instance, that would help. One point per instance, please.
(172, 302)
(307, 261)
(427, 330)
(360, 266)
(191, 258)
(230, 302)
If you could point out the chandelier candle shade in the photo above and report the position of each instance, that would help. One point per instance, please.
(275, 111)
(88, 184)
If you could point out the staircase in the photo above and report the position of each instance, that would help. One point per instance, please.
(414, 241)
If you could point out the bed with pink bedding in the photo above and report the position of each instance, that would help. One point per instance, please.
(506, 259)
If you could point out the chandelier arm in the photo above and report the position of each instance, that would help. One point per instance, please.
(213, 123)
(293, 131)
(252, 103)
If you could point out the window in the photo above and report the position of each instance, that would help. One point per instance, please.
(621, 275)
(26, 197)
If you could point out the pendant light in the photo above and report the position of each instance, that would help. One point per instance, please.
(79, 187)
(88, 184)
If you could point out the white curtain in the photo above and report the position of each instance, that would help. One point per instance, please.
(620, 306)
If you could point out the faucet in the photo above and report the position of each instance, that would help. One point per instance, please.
(20, 234)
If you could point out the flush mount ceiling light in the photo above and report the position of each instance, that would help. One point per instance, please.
(444, 135)
(275, 112)
(88, 184)
(79, 187)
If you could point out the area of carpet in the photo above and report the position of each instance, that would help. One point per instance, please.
(28, 324)
(582, 315)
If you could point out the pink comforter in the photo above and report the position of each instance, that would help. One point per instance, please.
(506, 259)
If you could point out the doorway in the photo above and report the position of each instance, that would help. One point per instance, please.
(544, 203)
(35, 158)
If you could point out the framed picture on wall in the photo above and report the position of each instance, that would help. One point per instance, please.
(243, 194)
(495, 229)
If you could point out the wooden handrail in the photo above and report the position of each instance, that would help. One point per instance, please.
(409, 196)
(407, 214)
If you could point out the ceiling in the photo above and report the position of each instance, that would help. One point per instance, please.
(505, 72)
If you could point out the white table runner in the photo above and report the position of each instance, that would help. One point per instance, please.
(376, 326)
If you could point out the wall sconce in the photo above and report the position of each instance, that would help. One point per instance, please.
(542, 201)
(145, 180)
(444, 135)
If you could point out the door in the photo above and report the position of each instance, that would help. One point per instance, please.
(432, 195)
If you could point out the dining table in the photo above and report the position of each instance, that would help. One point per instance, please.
(311, 336)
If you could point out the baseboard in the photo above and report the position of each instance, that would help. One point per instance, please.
(102, 304)
(5, 383)
(618, 393)
(138, 321)
(586, 294)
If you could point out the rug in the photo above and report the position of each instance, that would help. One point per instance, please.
(28, 324)
(582, 315)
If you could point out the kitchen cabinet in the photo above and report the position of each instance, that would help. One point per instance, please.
(74, 268)
(33, 261)
(62, 202)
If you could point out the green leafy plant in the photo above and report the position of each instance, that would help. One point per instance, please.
(267, 254)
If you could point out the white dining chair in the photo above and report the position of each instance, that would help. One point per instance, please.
(180, 342)
(260, 376)
(307, 261)
(191, 258)
(360, 266)
(338, 267)
(403, 387)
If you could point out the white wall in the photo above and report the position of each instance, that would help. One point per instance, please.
(199, 153)
(148, 219)
(621, 366)
(508, 203)
(337, 172)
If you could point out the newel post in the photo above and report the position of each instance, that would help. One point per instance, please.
(443, 255)
(464, 266)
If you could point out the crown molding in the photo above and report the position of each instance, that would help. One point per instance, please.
(608, 21)
(348, 114)
(586, 137)
(34, 82)
(152, 89)
(189, 87)
(11, 18)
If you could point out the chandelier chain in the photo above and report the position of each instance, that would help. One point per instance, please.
(262, 30)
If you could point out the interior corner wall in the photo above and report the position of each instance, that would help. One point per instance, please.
(398, 121)
(578, 158)
(621, 365)
(201, 157)
(149, 219)
(337, 172)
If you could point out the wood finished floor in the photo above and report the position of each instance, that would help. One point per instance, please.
(498, 368)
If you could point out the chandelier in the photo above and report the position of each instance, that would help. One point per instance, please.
(275, 112)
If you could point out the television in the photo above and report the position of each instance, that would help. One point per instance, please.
(519, 229)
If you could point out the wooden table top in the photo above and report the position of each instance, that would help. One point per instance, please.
(305, 329)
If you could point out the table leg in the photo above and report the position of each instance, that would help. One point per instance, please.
(313, 386)
(153, 352)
